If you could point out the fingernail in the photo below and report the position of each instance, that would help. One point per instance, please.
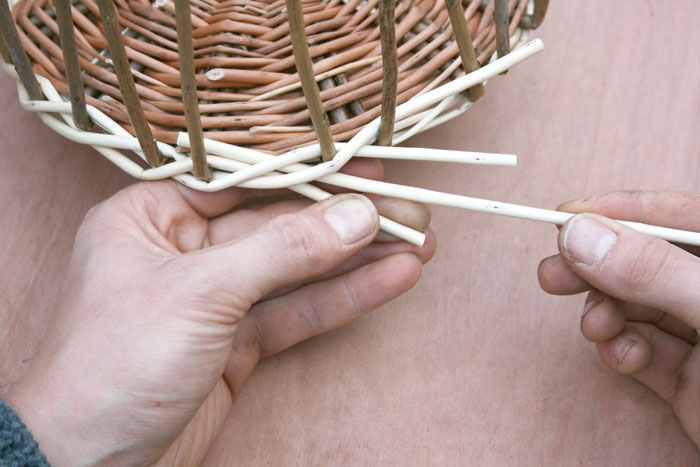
(586, 240)
(621, 346)
(592, 302)
(353, 218)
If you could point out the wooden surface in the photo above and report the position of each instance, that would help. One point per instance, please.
(476, 365)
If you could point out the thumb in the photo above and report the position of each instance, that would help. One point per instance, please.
(288, 249)
(633, 267)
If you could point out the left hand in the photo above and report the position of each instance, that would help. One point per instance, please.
(171, 300)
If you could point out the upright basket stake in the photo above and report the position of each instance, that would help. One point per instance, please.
(501, 17)
(390, 65)
(534, 20)
(70, 58)
(108, 13)
(4, 52)
(17, 53)
(190, 101)
(465, 45)
(319, 118)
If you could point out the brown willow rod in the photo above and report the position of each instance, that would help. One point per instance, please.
(66, 32)
(319, 118)
(501, 17)
(390, 65)
(108, 13)
(183, 14)
(4, 52)
(17, 53)
(465, 45)
(534, 20)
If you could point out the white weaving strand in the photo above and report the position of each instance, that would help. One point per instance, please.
(247, 168)
(415, 115)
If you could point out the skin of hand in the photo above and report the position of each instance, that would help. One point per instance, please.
(173, 296)
(643, 304)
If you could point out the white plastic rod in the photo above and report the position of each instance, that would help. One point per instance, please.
(317, 194)
(436, 155)
(434, 197)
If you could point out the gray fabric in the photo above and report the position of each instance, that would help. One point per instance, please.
(17, 446)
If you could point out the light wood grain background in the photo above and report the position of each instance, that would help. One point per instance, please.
(475, 366)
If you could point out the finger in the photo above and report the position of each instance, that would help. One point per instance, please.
(324, 306)
(364, 167)
(288, 249)
(372, 169)
(557, 278)
(662, 320)
(243, 221)
(160, 211)
(665, 208)
(602, 318)
(368, 255)
(674, 326)
(650, 355)
(687, 389)
(632, 267)
(275, 325)
(676, 210)
(172, 215)
(214, 204)
(192, 445)
(409, 213)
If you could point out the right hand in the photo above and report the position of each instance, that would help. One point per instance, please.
(643, 305)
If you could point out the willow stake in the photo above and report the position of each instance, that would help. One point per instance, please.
(319, 118)
(189, 89)
(501, 19)
(70, 58)
(108, 13)
(390, 65)
(17, 53)
(465, 45)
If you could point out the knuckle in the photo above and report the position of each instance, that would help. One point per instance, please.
(95, 225)
(92, 212)
(199, 291)
(686, 393)
(258, 340)
(353, 298)
(296, 237)
(648, 263)
(99, 213)
(311, 320)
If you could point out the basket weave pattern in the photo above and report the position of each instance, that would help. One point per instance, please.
(245, 88)
(243, 54)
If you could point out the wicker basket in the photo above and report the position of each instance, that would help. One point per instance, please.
(210, 92)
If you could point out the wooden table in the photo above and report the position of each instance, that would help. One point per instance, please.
(476, 365)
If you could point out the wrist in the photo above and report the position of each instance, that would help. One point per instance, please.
(60, 422)
(36, 413)
(17, 445)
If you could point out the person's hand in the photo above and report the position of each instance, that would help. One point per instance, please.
(643, 308)
(172, 298)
